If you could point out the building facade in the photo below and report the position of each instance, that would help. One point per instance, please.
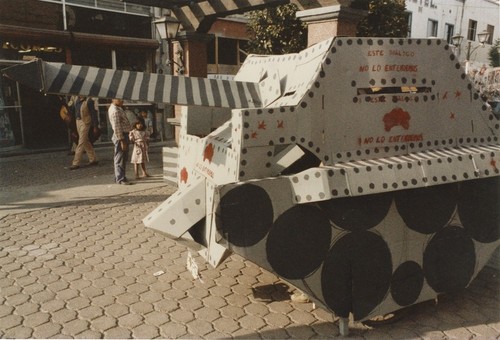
(446, 18)
(101, 33)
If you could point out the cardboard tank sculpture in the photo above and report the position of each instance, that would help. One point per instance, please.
(363, 171)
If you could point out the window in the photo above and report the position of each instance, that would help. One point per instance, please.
(490, 29)
(471, 31)
(449, 29)
(409, 19)
(432, 28)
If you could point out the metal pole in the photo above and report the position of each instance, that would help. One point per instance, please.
(65, 24)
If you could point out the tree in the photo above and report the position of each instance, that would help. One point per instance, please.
(385, 18)
(493, 55)
(276, 30)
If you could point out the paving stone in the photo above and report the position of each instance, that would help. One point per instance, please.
(90, 312)
(301, 317)
(141, 307)
(63, 315)
(65, 294)
(237, 300)
(75, 327)
(104, 323)
(17, 299)
(226, 325)
(27, 309)
(166, 305)
(52, 306)
(9, 321)
(277, 319)
(189, 303)
(151, 297)
(252, 322)
(89, 334)
(118, 333)
(214, 302)
(173, 330)
(156, 318)
(103, 300)
(300, 332)
(232, 312)
(130, 320)
(145, 332)
(9, 289)
(36, 319)
(47, 330)
(78, 303)
(200, 327)
(19, 332)
(183, 316)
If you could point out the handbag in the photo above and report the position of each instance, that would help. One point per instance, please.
(94, 134)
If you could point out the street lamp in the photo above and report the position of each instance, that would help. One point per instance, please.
(167, 29)
(456, 41)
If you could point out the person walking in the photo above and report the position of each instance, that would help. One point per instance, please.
(86, 117)
(121, 128)
(140, 137)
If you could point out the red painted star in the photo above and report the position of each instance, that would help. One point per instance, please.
(254, 134)
(457, 94)
(262, 125)
(280, 124)
(208, 153)
(184, 175)
(452, 115)
(445, 95)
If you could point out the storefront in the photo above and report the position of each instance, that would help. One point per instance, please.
(94, 37)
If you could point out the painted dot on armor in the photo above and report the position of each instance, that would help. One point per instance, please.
(243, 162)
(306, 177)
(172, 221)
(414, 181)
(359, 212)
(452, 57)
(478, 208)
(411, 205)
(246, 207)
(242, 173)
(356, 274)
(282, 139)
(449, 260)
(353, 83)
(335, 192)
(407, 282)
(346, 191)
(302, 229)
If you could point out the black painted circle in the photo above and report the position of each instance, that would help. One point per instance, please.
(359, 212)
(407, 283)
(427, 210)
(298, 242)
(449, 260)
(245, 215)
(478, 208)
(356, 274)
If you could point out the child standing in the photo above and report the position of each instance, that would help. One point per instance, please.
(140, 137)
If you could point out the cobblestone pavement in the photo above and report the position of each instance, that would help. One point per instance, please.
(86, 267)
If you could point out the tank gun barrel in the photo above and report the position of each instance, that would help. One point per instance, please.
(58, 78)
